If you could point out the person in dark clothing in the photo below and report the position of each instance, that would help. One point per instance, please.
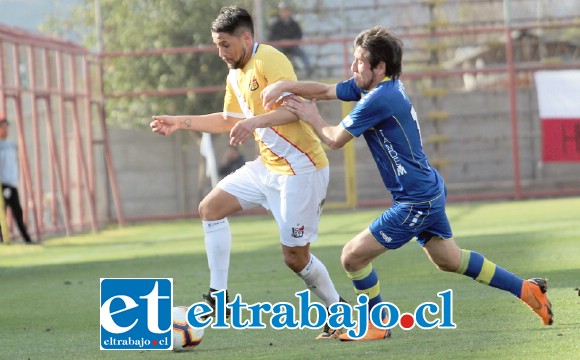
(9, 178)
(286, 28)
(232, 161)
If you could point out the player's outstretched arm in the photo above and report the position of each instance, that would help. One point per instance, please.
(273, 93)
(211, 123)
(333, 136)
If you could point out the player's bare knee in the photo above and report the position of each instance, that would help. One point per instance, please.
(296, 258)
(347, 260)
(445, 265)
(294, 262)
(206, 212)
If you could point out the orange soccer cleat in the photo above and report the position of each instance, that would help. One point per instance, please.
(534, 295)
(373, 333)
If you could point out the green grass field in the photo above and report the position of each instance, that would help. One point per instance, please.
(49, 295)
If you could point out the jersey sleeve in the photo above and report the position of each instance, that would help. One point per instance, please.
(348, 91)
(276, 68)
(367, 113)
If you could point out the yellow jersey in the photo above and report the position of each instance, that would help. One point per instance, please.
(292, 148)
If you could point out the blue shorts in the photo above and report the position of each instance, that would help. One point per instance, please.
(404, 221)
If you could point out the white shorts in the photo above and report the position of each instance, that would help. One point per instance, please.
(294, 200)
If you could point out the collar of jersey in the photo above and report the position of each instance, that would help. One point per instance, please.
(386, 78)
(254, 50)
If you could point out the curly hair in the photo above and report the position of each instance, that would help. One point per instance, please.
(382, 45)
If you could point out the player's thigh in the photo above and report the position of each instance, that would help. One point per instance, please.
(396, 226)
(240, 190)
(296, 202)
(360, 251)
(218, 204)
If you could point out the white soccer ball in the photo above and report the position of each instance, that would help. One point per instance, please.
(185, 338)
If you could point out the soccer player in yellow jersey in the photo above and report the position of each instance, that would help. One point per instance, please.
(290, 177)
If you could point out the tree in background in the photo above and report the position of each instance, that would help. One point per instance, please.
(151, 24)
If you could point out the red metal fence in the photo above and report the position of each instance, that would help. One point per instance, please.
(46, 89)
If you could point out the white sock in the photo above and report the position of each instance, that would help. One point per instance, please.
(218, 243)
(317, 279)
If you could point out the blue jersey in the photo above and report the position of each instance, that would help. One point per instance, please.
(386, 118)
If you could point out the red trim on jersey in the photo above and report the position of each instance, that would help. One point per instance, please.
(296, 147)
(278, 156)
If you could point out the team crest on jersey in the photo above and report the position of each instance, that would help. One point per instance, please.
(298, 232)
(254, 84)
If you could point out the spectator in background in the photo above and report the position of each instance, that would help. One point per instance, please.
(286, 28)
(9, 178)
(232, 160)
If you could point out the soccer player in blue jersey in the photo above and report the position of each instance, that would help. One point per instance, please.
(385, 117)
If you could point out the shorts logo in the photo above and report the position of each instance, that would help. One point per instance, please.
(416, 218)
(136, 314)
(298, 232)
(386, 237)
(254, 84)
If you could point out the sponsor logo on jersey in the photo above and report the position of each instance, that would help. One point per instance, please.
(394, 155)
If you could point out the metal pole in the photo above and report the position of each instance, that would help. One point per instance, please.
(3, 222)
(83, 169)
(27, 189)
(258, 17)
(2, 80)
(89, 128)
(36, 136)
(63, 136)
(79, 154)
(512, 100)
(55, 159)
(102, 115)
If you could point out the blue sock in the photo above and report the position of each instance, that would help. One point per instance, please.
(366, 281)
(477, 267)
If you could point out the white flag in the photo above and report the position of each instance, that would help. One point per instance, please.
(206, 150)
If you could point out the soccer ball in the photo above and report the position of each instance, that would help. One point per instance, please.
(185, 338)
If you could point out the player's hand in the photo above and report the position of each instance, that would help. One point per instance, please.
(163, 124)
(306, 110)
(272, 95)
(241, 132)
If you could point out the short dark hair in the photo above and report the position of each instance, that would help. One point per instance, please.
(232, 18)
(382, 45)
